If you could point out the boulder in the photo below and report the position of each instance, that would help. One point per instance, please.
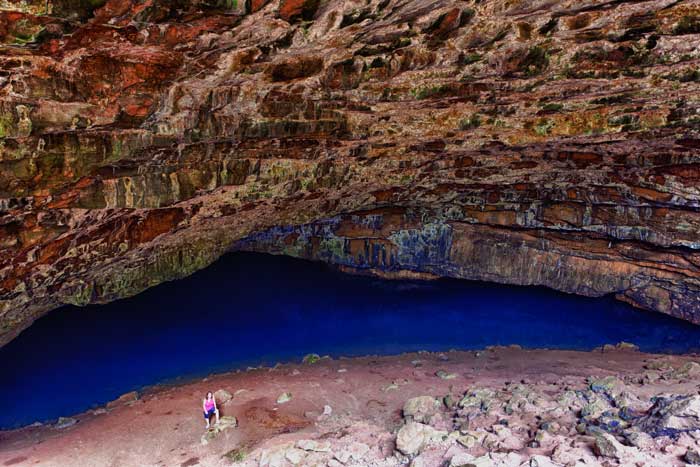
(639, 439)
(671, 415)
(224, 424)
(605, 445)
(222, 396)
(313, 445)
(294, 455)
(421, 408)
(413, 437)
(688, 370)
(273, 458)
(462, 459)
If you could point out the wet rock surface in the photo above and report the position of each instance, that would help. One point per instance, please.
(551, 143)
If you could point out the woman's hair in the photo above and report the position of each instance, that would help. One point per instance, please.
(209, 394)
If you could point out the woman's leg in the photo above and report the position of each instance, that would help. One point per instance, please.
(206, 417)
(217, 416)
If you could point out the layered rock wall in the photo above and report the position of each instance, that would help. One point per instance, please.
(551, 143)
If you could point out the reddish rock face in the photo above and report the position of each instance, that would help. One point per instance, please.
(559, 145)
(292, 10)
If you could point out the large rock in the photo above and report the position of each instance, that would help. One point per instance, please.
(413, 437)
(670, 415)
(226, 422)
(606, 445)
(222, 396)
(421, 408)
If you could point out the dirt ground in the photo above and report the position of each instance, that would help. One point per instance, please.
(364, 398)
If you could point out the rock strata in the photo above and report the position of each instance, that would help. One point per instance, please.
(536, 143)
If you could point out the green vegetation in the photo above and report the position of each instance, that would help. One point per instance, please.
(690, 75)
(628, 122)
(470, 58)
(543, 127)
(311, 358)
(687, 25)
(470, 123)
(6, 126)
(535, 62)
(424, 92)
(551, 107)
(607, 100)
(236, 455)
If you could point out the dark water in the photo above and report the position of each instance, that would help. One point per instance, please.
(249, 309)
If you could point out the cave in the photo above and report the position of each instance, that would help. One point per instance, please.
(342, 233)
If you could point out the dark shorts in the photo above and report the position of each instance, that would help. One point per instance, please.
(208, 414)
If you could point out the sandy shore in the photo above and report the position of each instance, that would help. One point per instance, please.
(504, 406)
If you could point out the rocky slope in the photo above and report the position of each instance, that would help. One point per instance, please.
(530, 142)
(500, 407)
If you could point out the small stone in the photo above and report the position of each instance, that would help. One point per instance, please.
(692, 457)
(606, 385)
(445, 375)
(284, 398)
(327, 410)
(541, 461)
(124, 399)
(65, 422)
(468, 441)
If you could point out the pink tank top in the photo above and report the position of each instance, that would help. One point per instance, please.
(209, 404)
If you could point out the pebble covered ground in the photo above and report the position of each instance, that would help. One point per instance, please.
(502, 406)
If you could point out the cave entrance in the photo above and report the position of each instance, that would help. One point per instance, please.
(253, 309)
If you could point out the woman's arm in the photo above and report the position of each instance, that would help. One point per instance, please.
(204, 405)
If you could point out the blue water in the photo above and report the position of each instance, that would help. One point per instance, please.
(249, 309)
